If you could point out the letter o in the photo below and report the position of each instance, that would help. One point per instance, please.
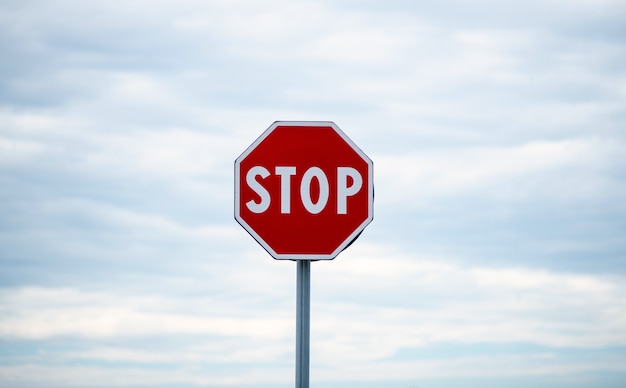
(305, 190)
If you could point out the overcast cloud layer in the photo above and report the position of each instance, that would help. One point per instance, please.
(497, 254)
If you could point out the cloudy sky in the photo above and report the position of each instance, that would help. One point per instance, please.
(497, 256)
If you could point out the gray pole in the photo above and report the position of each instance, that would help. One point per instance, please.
(303, 319)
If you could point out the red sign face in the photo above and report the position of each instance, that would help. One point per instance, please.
(304, 190)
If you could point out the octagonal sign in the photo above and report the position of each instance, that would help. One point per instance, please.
(304, 190)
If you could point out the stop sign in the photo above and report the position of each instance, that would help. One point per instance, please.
(304, 190)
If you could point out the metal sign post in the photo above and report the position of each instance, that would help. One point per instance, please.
(303, 322)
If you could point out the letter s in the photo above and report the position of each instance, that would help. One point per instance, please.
(258, 189)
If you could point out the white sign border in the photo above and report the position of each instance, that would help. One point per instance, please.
(350, 239)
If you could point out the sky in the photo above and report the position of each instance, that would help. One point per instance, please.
(497, 253)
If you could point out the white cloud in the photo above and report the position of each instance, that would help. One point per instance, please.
(362, 42)
(419, 303)
(35, 313)
(80, 376)
(564, 169)
(389, 273)
(470, 367)
(368, 305)
(18, 151)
